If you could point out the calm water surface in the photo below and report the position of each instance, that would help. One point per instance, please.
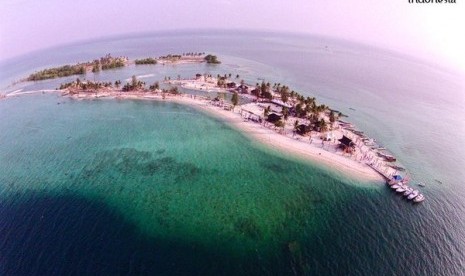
(137, 187)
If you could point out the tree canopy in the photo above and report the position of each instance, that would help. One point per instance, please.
(58, 72)
(211, 59)
(145, 61)
(235, 98)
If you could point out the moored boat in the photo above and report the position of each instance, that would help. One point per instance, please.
(401, 189)
(419, 198)
(395, 186)
(413, 195)
(408, 191)
(387, 157)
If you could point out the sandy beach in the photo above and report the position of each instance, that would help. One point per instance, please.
(298, 147)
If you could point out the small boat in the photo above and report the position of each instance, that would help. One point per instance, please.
(413, 195)
(421, 184)
(397, 168)
(401, 189)
(408, 191)
(387, 157)
(395, 186)
(405, 180)
(419, 198)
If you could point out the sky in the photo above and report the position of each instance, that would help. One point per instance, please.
(433, 31)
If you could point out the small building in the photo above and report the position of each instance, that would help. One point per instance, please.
(231, 85)
(346, 144)
(243, 89)
(255, 91)
(273, 118)
(281, 103)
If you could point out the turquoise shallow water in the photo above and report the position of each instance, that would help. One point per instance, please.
(139, 187)
(174, 173)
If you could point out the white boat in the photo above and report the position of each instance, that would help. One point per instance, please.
(421, 184)
(395, 186)
(419, 198)
(401, 189)
(392, 182)
(408, 191)
(413, 194)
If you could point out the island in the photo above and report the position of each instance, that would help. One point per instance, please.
(108, 62)
(145, 61)
(270, 113)
(104, 63)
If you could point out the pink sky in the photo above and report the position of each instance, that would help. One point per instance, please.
(434, 31)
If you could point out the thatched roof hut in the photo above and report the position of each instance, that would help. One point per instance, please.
(273, 117)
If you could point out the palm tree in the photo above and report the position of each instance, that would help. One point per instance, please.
(235, 99)
(285, 112)
(134, 82)
(323, 126)
(267, 111)
(279, 124)
(332, 117)
(296, 126)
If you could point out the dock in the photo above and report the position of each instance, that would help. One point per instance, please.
(384, 175)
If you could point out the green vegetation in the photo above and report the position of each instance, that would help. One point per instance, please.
(221, 82)
(58, 72)
(211, 59)
(235, 99)
(112, 63)
(173, 90)
(263, 90)
(332, 117)
(108, 62)
(279, 124)
(104, 63)
(171, 57)
(85, 85)
(154, 86)
(285, 112)
(135, 84)
(96, 67)
(145, 61)
(193, 54)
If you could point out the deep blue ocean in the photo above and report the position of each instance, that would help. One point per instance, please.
(107, 187)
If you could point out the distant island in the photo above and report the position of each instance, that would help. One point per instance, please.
(104, 63)
(145, 61)
(109, 62)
